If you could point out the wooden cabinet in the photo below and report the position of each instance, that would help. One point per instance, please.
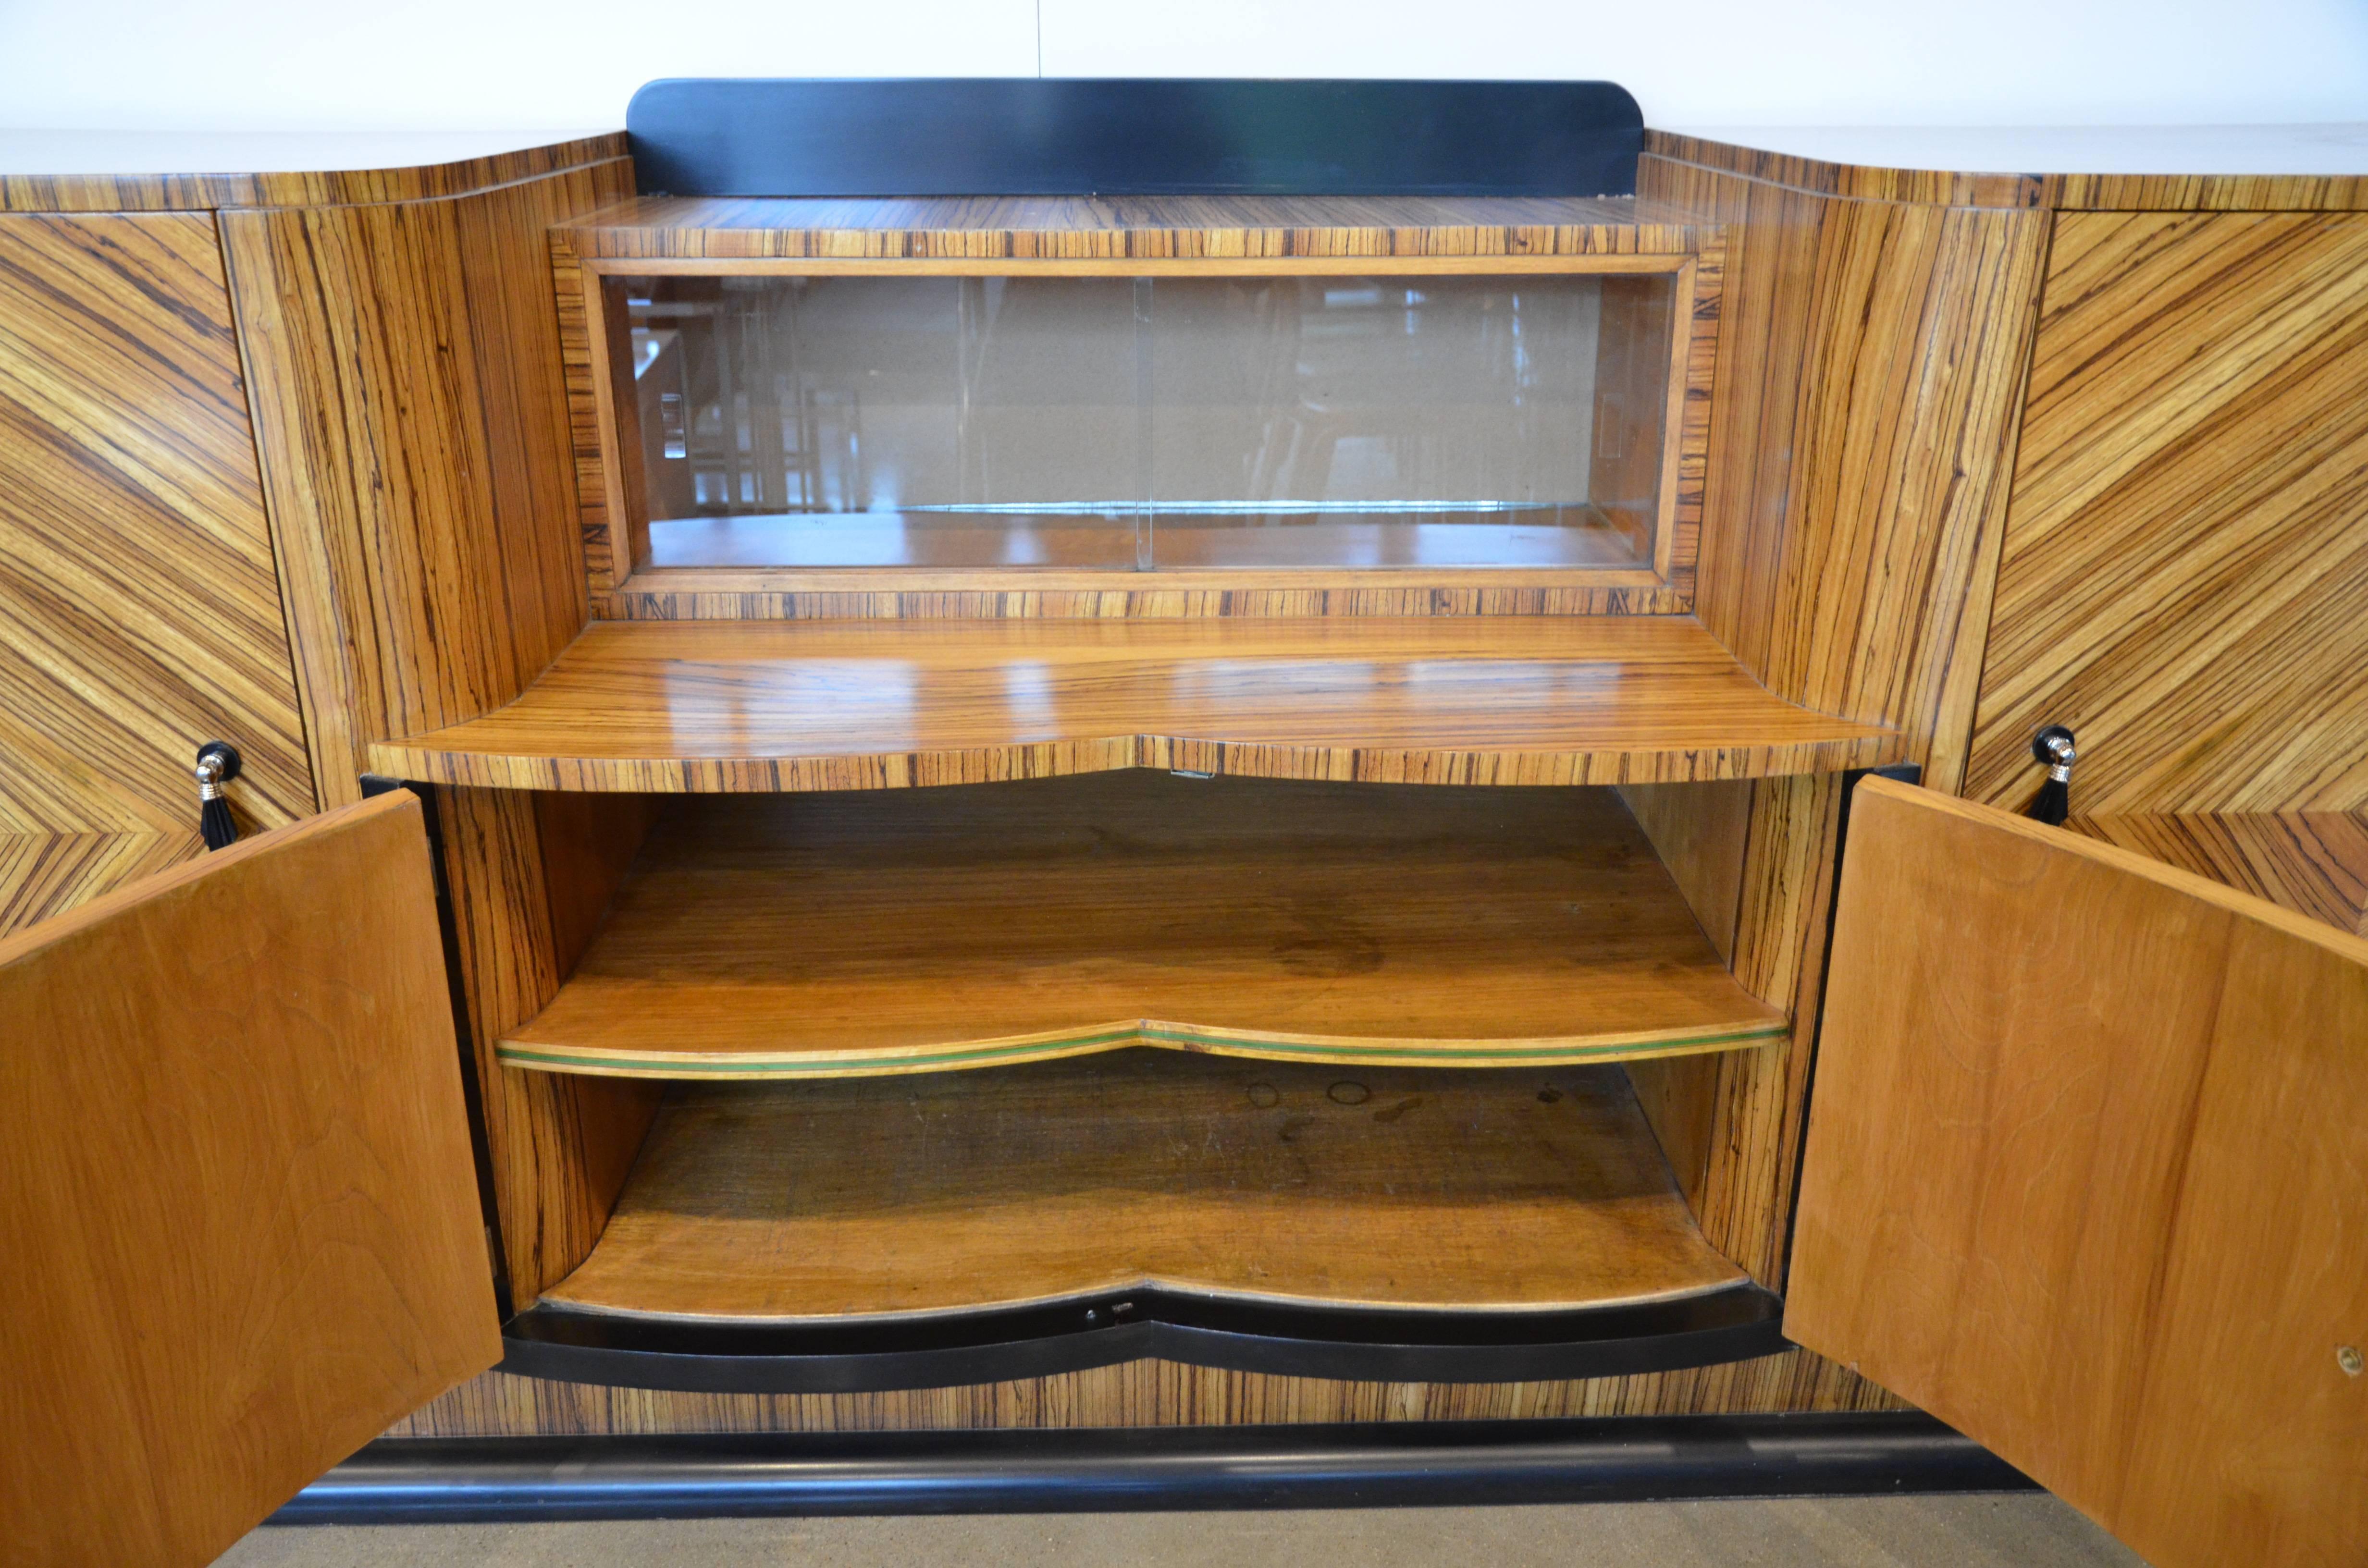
(2082, 1178)
(1439, 1043)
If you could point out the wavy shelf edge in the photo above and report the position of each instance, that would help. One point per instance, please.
(552, 1056)
(758, 775)
(716, 707)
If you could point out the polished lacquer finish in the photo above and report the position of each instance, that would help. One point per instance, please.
(2185, 579)
(764, 706)
(1376, 1187)
(910, 931)
(139, 614)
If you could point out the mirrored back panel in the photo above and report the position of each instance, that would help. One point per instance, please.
(1143, 424)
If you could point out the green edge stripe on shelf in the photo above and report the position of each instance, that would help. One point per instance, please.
(1123, 1037)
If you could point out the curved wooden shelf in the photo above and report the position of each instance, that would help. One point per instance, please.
(1253, 1182)
(868, 933)
(864, 705)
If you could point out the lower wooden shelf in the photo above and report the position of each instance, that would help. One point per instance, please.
(858, 1200)
(918, 930)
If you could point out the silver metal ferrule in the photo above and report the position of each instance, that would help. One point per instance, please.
(208, 775)
(2061, 756)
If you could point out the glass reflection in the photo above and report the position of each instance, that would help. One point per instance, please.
(1129, 423)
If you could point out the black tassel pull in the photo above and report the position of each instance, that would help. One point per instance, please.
(217, 766)
(2053, 746)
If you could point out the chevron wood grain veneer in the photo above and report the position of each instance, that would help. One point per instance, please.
(2185, 577)
(139, 613)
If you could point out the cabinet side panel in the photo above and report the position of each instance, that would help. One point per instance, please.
(1871, 360)
(1699, 831)
(529, 887)
(139, 614)
(411, 414)
(235, 1198)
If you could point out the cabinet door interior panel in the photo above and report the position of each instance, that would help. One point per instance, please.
(139, 613)
(904, 931)
(2185, 577)
(2085, 1176)
(1381, 1187)
(236, 1194)
(851, 705)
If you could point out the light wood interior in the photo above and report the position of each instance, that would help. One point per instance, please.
(773, 706)
(237, 1206)
(2084, 1177)
(1381, 1187)
(895, 931)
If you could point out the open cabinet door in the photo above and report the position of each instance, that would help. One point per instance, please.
(2088, 1177)
(239, 1224)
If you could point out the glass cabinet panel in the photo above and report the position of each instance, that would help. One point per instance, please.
(1145, 423)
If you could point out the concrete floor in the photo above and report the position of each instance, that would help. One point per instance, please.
(2014, 1530)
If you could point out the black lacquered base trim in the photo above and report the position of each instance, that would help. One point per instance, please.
(1348, 1466)
(1355, 1344)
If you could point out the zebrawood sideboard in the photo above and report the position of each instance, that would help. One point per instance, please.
(838, 951)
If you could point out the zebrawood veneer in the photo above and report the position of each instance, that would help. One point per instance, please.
(138, 614)
(1199, 229)
(869, 933)
(771, 706)
(2185, 577)
(1387, 1187)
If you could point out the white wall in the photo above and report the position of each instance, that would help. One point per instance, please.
(274, 65)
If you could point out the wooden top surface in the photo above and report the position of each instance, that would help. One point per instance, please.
(821, 705)
(153, 171)
(1376, 1187)
(909, 931)
(1149, 227)
(2107, 168)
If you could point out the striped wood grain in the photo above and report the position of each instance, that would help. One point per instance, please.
(851, 705)
(1137, 1393)
(1135, 228)
(1870, 378)
(530, 876)
(412, 418)
(195, 191)
(2315, 863)
(2043, 191)
(139, 613)
(2185, 581)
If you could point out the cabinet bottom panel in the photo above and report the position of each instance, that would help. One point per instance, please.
(953, 1228)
